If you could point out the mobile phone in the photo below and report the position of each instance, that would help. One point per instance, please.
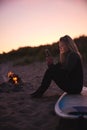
(47, 52)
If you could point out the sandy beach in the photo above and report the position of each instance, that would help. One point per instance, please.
(18, 111)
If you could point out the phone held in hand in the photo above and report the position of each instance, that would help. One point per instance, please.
(49, 58)
(47, 53)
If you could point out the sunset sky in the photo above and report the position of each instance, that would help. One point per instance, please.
(37, 22)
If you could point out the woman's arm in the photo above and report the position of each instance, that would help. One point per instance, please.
(72, 60)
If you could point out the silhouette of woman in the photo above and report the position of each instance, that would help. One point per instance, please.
(67, 73)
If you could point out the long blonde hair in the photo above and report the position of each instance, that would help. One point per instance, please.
(70, 45)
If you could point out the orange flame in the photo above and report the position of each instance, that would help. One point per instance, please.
(15, 80)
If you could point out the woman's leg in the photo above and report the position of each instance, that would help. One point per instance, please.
(46, 81)
(52, 73)
(67, 85)
(56, 74)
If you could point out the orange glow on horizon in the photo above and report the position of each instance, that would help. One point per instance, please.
(33, 23)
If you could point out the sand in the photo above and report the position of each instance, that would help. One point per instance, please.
(18, 111)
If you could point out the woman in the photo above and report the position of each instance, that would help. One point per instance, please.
(68, 73)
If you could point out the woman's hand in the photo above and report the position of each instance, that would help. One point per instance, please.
(49, 60)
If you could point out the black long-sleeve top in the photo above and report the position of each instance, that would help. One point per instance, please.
(72, 72)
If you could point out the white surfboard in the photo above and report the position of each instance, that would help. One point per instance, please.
(72, 105)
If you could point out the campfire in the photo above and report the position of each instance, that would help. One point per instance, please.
(14, 79)
(14, 83)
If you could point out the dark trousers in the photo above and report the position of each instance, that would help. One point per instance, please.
(59, 76)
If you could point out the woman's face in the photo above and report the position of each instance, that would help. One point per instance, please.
(63, 47)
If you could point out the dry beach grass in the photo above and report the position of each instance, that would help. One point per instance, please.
(18, 111)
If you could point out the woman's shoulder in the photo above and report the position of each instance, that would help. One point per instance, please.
(71, 53)
(73, 56)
